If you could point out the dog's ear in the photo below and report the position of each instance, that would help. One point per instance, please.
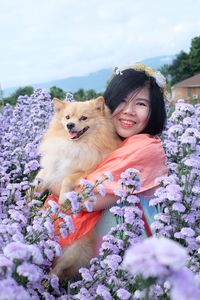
(100, 103)
(57, 105)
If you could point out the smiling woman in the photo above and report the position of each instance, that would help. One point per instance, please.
(132, 115)
(135, 97)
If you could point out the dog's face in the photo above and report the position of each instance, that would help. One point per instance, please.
(79, 118)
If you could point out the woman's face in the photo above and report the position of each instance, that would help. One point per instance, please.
(132, 115)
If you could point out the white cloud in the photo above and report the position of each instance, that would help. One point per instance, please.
(50, 39)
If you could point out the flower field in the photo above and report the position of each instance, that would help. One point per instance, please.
(166, 266)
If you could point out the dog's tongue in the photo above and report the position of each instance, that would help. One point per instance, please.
(73, 134)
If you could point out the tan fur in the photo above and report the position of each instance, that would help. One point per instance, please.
(65, 161)
(74, 257)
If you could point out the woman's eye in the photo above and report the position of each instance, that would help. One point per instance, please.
(67, 117)
(83, 118)
(141, 104)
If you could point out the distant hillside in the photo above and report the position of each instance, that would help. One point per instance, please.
(159, 61)
(96, 80)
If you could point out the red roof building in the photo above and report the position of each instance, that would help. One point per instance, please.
(188, 89)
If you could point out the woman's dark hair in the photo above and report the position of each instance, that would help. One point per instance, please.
(122, 84)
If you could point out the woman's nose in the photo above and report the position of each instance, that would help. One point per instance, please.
(129, 108)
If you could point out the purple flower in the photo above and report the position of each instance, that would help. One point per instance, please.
(101, 190)
(109, 175)
(32, 165)
(132, 199)
(54, 282)
(86, 274)
(73, 198)
(112, 261)
(178, 207)
(120, 193)
(35, 254)
(88, 206)
(116, 210)
(49, 253)
(16, 250)
(103, 291)
(68, 222)
(192, 162)
(54, 206)
(154, 257)
(186, 231)
(17, 216)
(49, 226)
(123, 294)
(184, 286)
(30, 271)
(174, 192)
(130, 179)
(63, 232)
(10, 290)
(86, 184)
(6, 266)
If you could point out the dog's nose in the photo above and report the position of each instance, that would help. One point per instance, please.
(70, 125)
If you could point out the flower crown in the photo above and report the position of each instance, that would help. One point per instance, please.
(150, 72)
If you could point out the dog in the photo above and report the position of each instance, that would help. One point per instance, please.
(79, 136)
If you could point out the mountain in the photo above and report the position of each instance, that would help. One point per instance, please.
(96, 80)
(159, 61)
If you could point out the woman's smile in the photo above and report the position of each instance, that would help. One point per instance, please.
(132, 115)
(126, 122)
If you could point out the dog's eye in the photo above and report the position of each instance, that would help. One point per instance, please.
(83, 118)
(67, 117)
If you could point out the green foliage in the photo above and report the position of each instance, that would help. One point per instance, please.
(57, 93)
(170, 109)
(184, 65)
(180, 69)
(195, 55)
(165, 71)
(193, 101)
(27, 90)
(82, 95)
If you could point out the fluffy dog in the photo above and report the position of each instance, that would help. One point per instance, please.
(79, 136)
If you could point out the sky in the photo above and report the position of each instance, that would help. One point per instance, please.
(45, 40)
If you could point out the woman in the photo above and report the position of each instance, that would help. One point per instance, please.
(138, 112)
(135, 97)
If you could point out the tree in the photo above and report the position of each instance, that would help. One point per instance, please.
(27, 90)
(22, 91)
(57, 93)
(194, 55)
(1, 97)
(185, 64)
(92, 94)
(165, 71)
(80, 95)
(180, 68)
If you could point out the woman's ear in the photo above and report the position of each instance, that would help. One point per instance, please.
(58, 105)
(100, 103)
